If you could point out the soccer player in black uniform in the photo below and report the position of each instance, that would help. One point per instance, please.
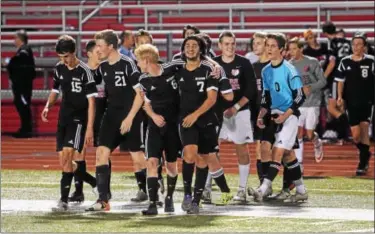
(121, 119)
(161, 105)
(198, 94)
(236, 126)
(341, 47)
(263, 144)
(77, 111)
(355, 78)
(100, 102)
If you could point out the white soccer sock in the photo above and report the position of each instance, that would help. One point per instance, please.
(208, 185)
(300, 186)
(299, 152)
(244, 174)
(266, 183)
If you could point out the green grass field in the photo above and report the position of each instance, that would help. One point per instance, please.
(344, 193)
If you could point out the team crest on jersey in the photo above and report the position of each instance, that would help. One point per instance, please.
(235, 72)
(306, 68)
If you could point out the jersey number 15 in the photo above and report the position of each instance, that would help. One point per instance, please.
(76, 87)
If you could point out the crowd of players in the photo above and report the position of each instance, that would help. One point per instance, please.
(160, 112)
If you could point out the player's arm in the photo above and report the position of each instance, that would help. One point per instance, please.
(330, 67)
(340, 78)
(297, 94)
(212, 88)
(265, 103)
(52, 98)
(134, 76)
(318, 73)
(225, 87)
(250, 86)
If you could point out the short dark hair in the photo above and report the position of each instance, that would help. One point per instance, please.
(65, 44)
(141, 33)
(190, 27)
(360, 35)
(90, 45)
(329, 28)
(279, 37)
(297, 41)
(109, 36)
(226, 34)
(206, 39)
(22, 35)
(125, 34)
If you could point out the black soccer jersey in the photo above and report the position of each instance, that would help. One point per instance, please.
(323, 54)
(120, 79)
(341, 48)
(76, 86)
(240, 74)
(258, 67)
(193, 88)
(359, 79)
(162, 93)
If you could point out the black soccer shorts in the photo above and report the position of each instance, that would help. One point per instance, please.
(110, 136)
(359, 113)
(206, 138)
(165, 139)
(71, 135)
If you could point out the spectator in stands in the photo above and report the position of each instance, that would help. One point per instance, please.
(251, 55)
(21, 69)
(340, 33)
(127, 43)
(142, 37)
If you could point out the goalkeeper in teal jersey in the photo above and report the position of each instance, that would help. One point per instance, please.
(281, 98)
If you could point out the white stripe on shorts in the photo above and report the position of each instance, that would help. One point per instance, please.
(78, 136)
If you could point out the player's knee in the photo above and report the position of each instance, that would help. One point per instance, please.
(139, 159)
(66, 161)
(152, 165)
(190, 153)
(172, 168)
(309, 134)
(102, 155)
(78, 156)
(289, 156)
(265, 151)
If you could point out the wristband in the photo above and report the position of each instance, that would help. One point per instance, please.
(237, 106)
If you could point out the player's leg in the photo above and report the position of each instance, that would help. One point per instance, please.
(207, 144)
(312, 120)
(153, 151)
(189, 138)
(284, 140)
(173, 149)
(134, 142)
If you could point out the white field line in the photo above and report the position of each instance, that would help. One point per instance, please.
(327, 222)
(369, 230)
(180, 187)
(230, 210)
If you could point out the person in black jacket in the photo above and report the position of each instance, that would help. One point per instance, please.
(21, 70)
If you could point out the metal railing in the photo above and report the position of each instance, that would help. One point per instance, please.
(241, 7)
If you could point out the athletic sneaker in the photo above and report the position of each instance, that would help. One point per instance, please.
(168, 204)
(283, 195)
(140, 197)
(318, 149)
(194, 209)
(258, 195)
(206, 197)
(99, 206)
(151, 210)
(75, 197)
(225, 199)
(186, 203)
(241, 196)
(297, 197)
(60, 207)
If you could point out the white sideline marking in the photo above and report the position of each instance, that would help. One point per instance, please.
(362, 230)
(9, 206)
(234, 188)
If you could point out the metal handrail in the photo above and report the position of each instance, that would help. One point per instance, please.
(225, 6)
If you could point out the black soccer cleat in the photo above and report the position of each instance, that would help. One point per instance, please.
(151, 210)
(168, 205)
(75, 197)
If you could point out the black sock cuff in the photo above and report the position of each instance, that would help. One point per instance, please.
(292, 164)
(172, 177)
(67, 174)
(275, 165)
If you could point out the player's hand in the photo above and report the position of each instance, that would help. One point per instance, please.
(44, 115)
(260, 123)
(89, 137)
(216, 73)
(280, 119)
(126, 125)
(189, 120)
(340, 102)
(228, 113)
(158, 120)
(307, 90)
